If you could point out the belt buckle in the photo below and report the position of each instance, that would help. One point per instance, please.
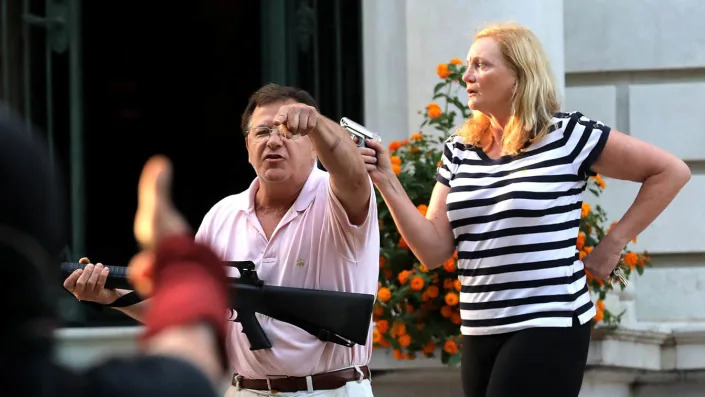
(269, 386)
(236, 381)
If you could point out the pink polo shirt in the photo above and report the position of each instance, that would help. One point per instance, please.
(314, 246)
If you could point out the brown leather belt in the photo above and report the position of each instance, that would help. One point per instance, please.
(326, 381)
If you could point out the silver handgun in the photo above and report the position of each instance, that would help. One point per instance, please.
(359, 131)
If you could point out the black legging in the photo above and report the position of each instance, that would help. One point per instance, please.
(540, 361)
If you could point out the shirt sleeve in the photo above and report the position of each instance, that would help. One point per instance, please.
(352, 238)
(447, 168)
(591, 138)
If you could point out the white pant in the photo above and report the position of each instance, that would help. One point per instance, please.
(350, 389)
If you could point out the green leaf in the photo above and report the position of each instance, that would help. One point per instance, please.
(454, 360)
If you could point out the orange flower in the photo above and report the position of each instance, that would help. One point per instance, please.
(384, 342)
(398, 329)
(384, 294)
(423, 269)
(382, 326)
(387, 273)
(432, 291)
(379, 310)
(458, 285)
(581, 240)
(434, 110)
(396, 168)
(448, 283)
(405, 340)
(402, 243)
(395, 160)
(425, 297)
(408, 356)
(642, 261)
(446, 311)
(423, 208)
(404, 142)
(394, 145)
(376, 336)
(455, 318)
(414, 149)
(403, 276)
(442, 70)
(599, 181)
(449, 266)
(456, 61)
(634, 240)
(417, 136)
(600, 305)
(631, 259)
(398, 355)
(582, 254)
(382, 261)
(451, 299)
(455, 254)
(438, 164)
(587, 249)
(450, 347)
(429, 347)
(599, 316)
(417, 283)
(585, 211)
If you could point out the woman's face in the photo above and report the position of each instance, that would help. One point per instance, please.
(489, 80)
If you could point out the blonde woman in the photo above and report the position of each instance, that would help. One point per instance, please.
(508, 198)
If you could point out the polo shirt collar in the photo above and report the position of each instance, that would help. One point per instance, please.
(303, 201)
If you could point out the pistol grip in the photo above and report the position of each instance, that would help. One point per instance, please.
(254, 332)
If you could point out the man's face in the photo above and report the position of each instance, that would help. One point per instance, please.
(277, 159)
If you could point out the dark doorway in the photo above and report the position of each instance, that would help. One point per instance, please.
(163, 78)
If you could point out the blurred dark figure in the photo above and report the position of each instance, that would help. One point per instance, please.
(182, 345)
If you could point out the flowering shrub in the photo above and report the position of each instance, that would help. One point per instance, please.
(417, 311)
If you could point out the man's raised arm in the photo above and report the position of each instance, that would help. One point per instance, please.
(337, 152)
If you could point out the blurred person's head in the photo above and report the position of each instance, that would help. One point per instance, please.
(275, 157)
(509, 79)
(31, 236)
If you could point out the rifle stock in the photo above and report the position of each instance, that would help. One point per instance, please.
(328, 315)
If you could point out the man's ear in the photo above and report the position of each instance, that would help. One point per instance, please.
(247, 147)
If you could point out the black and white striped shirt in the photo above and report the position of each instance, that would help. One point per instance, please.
(515, 220)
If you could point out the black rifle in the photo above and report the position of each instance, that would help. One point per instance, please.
(332, 316)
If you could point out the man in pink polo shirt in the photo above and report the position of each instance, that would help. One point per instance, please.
(302, 227)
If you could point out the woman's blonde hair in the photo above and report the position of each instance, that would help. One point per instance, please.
(535, 99)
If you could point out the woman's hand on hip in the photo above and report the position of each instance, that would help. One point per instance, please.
(603, 258)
